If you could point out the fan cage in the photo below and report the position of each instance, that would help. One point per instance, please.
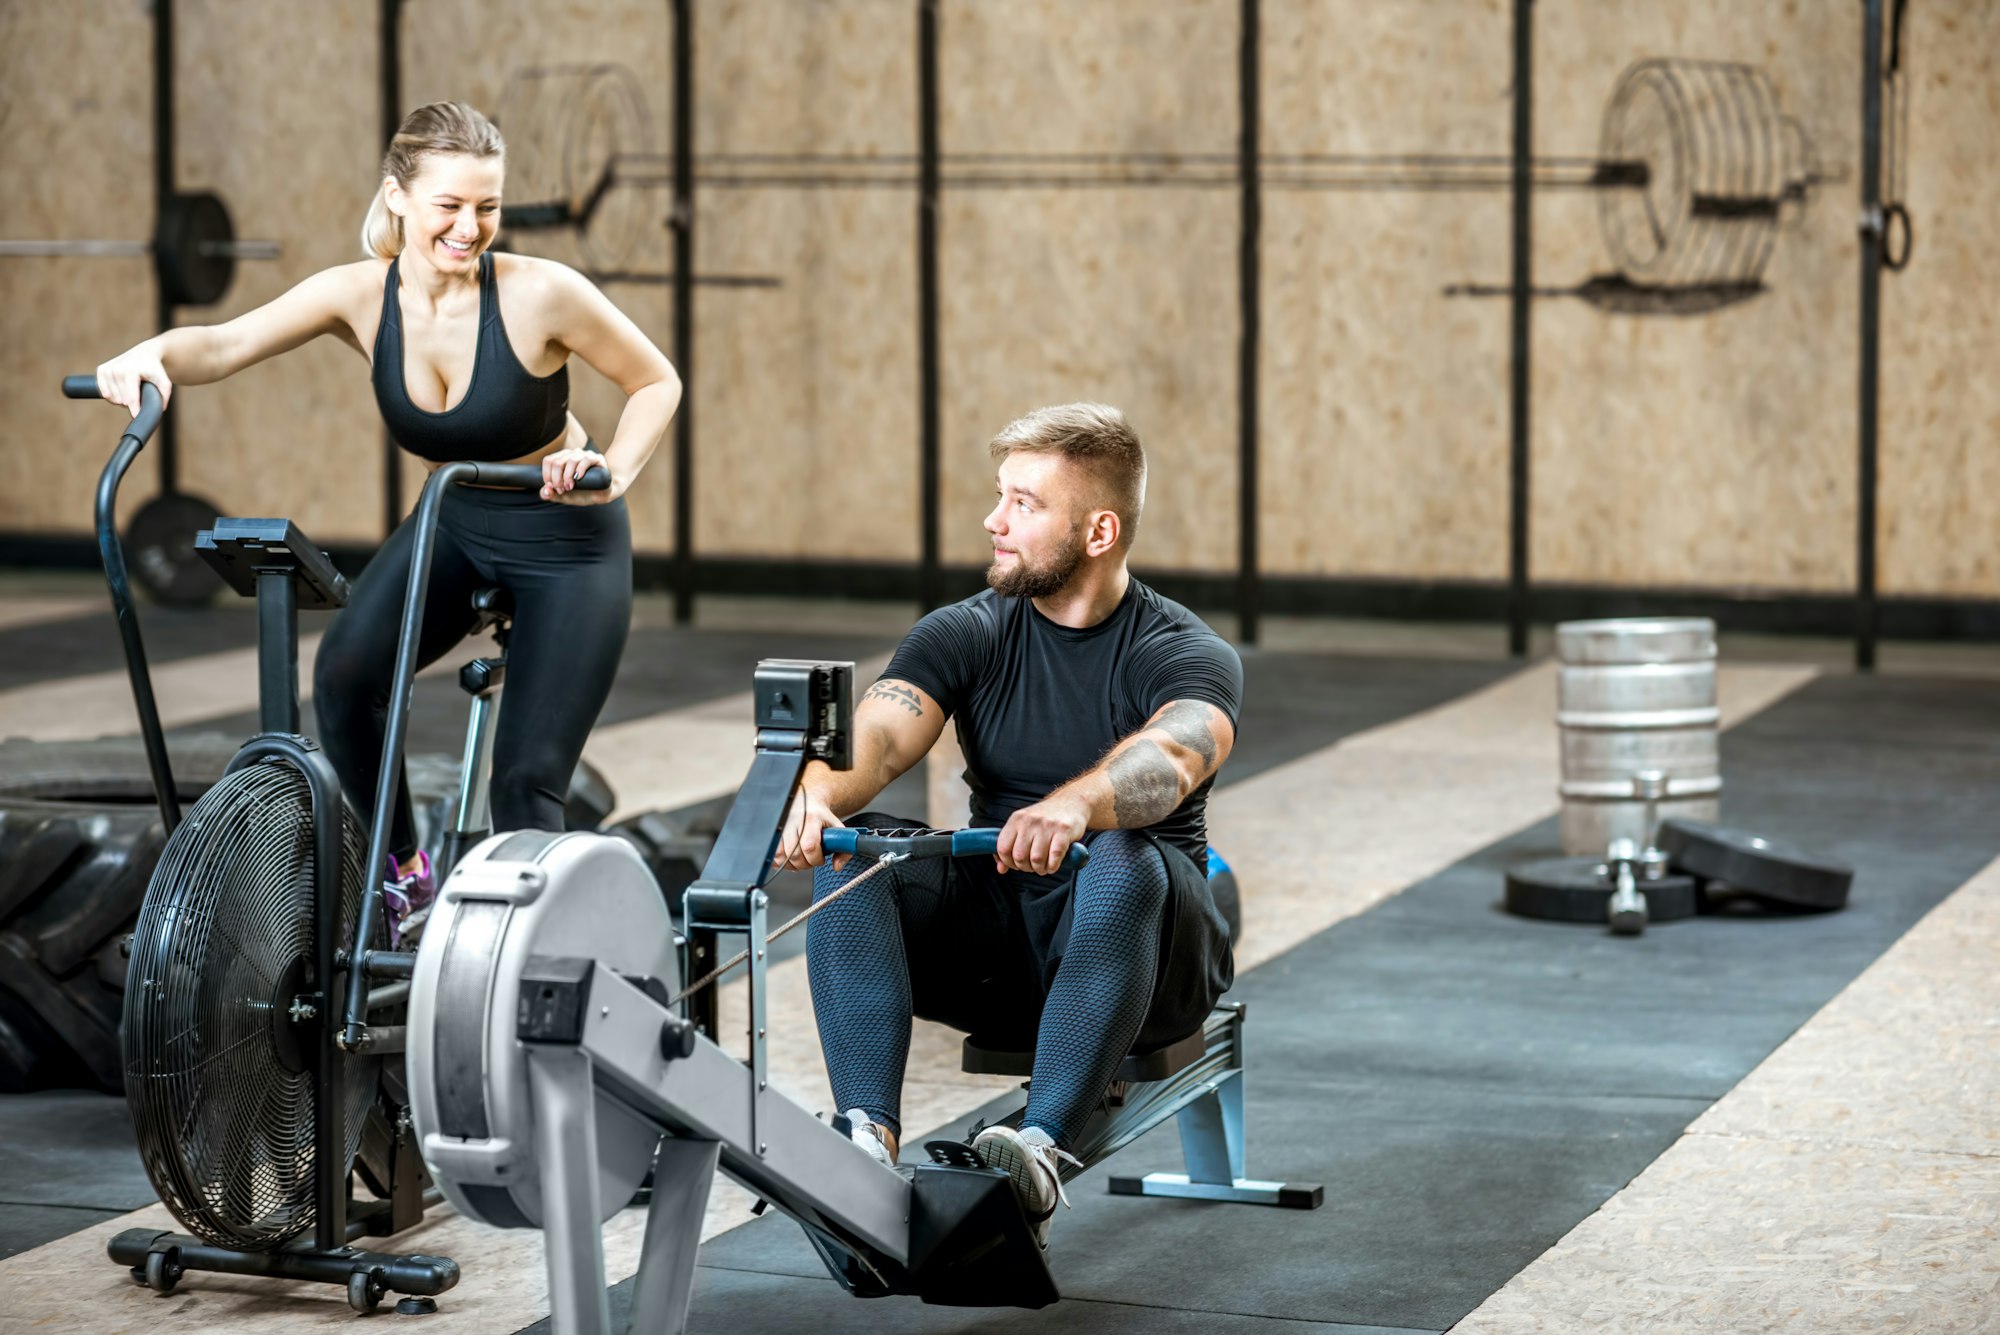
(225, 1129)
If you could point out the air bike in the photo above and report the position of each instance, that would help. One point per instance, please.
(552, 1064)
(263, 1027)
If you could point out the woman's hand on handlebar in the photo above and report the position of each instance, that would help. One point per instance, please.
(798, 843)
(1037, 838)
(561, 470)
(118, 380)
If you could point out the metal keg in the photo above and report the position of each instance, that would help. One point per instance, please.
(1635, 696)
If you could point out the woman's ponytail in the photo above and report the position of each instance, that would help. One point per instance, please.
(381, 230)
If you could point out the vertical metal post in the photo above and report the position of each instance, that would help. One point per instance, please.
(392, 120)
(682, 224)
(277, 650)
(1249, 587)
(165, 443)
(1518, 341)
(758, 944)
(1871, 328)
(704, 1008)
(929, 584)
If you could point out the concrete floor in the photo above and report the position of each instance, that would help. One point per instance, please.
(1723, 1125)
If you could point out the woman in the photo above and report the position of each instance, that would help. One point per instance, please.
(470, 355)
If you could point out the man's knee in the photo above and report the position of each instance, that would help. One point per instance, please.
(826, 881)
(1124, 865)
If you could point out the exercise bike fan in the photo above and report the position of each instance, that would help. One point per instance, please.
(219, 1044)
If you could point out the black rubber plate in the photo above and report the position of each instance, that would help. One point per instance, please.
(1579, 890)
(1769, 868)
(159, 550)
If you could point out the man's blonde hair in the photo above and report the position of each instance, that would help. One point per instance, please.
(1095, 436)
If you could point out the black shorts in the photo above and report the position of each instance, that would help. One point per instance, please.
(983, 946)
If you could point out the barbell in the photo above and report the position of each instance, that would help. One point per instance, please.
(194, 249)
(1696, 166)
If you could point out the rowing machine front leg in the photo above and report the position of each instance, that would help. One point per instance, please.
(681, 1179)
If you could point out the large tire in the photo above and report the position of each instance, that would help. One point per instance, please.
(79, 835)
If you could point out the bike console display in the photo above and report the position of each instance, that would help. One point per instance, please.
(240, 549)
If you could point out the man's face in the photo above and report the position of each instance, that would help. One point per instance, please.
(1036, 526)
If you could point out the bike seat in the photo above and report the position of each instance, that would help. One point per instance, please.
(1156, 1064)
(494, 606)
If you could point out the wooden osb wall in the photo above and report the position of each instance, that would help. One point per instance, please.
(1712, 450)
(1123, 295)
(1384, 402)
(806, 410)
(1941, 316)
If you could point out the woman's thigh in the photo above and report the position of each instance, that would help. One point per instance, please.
(572, 590)
(357, 656)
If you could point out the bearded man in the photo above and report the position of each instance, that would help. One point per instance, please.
(1090, 709)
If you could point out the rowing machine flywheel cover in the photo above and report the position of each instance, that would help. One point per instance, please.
(512, 898)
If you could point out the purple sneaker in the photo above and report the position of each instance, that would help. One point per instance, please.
(408, 897)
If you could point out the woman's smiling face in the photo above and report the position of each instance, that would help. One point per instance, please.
(452, 209)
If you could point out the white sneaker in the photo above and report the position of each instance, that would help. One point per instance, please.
(870, 1135)
(1031, 1159)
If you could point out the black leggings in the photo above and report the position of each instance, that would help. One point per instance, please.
(1128, 954)
(569, 569)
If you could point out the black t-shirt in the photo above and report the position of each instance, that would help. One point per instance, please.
(1037, 703)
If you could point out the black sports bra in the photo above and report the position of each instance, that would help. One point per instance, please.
(505, 413)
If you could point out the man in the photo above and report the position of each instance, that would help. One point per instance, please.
(1089, 709)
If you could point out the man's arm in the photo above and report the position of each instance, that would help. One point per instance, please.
(895, 726)
(1139, 782)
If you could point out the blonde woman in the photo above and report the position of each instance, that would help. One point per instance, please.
(470, 354)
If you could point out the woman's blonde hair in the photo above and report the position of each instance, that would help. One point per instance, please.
(441, 127)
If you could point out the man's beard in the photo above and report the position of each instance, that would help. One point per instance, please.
(1022, 580)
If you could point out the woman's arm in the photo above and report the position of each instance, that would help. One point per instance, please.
(204, 354)
(586, 323)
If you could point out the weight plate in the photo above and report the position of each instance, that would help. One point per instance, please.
(190, 249)
(1769, 868)
(159, 550)
(1579, 890)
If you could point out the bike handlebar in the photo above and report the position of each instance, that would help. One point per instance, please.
(151, 407)
(930, 844)
(526, 477)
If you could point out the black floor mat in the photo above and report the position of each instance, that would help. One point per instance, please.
(73, 646)
(1298, 703)
(1468, 1086)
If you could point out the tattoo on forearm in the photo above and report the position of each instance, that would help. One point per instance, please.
(1145, 786)
(1187, 723)
(896, 694)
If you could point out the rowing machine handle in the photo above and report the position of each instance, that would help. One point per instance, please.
(936, 843)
